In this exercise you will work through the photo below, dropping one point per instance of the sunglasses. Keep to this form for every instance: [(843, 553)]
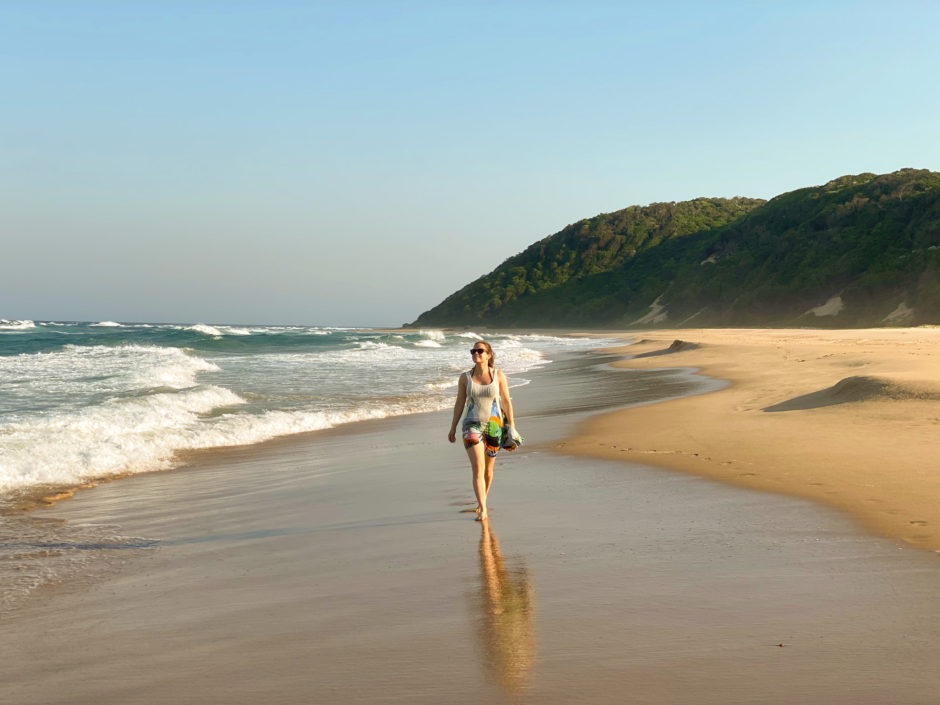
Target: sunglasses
[(477, 351)]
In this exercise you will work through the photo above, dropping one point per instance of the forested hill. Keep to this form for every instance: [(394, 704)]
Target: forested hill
[(578, 253), (860, 250)]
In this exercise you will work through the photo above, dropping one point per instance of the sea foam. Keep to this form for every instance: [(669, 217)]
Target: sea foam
[(121, 435), (207, 330), (6, 324), (435, 335), (72, 412), (146, 433), (74, 375)]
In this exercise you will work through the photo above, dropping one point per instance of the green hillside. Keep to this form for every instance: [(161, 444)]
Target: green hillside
[(860, 250), (579, 252)]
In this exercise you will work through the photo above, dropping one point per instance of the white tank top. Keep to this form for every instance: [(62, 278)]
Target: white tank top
[(483, 399)]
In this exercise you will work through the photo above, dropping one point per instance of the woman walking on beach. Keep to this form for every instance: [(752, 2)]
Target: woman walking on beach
[(484, 393)]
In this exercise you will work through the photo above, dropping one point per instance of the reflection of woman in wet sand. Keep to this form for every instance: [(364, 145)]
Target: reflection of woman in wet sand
[(508, 632), (484, 392)]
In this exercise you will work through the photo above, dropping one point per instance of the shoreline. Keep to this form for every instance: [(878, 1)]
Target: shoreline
[(847, 418), (222, 581), (29, 499), (848, 403), (24, 493)]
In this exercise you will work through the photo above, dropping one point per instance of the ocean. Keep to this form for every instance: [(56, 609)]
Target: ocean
[(86, 400)]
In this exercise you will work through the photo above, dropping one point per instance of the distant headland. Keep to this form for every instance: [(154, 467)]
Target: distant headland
[(861, 250)]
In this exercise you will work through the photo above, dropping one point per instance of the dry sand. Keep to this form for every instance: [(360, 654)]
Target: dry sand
[(850, 418), (338, 568)]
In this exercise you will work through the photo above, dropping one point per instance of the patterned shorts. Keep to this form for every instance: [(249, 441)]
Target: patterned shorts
[(491, 433)]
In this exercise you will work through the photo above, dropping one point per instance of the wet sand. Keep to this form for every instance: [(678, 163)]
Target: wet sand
[(339, 568)]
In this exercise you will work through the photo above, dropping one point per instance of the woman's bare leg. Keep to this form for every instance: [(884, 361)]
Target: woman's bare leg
[(478, 469), (488, 473)]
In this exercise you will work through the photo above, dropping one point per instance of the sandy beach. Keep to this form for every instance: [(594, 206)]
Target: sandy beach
[(342, 566), (847, 418)]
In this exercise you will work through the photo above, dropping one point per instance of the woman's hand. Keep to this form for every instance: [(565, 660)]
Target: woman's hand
[(452, 436)]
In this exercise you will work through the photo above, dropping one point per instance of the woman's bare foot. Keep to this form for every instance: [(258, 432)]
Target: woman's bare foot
[(482, 516)]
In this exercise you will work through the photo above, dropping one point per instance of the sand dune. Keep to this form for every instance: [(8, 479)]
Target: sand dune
[(861, 388), (674, 347)]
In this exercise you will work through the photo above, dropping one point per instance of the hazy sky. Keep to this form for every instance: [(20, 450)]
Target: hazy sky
[(355, 162)]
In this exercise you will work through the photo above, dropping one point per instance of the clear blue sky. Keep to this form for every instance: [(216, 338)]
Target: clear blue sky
[(355, 162)]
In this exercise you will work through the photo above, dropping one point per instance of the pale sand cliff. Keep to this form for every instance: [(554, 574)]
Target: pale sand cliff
[(850, 418)]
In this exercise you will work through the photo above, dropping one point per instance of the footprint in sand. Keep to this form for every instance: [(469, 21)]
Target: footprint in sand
[(918, 522)]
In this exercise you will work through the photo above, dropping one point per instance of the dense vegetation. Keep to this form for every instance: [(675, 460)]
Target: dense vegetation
[(873, 241), (581, 251)]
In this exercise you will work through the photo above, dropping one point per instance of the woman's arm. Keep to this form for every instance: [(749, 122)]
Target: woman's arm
[(458, 407), (504, 398)]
